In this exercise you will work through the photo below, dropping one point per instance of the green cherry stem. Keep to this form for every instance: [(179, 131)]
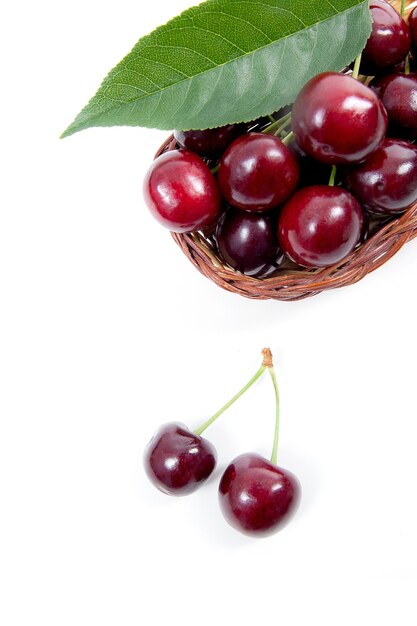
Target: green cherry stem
[(407, 65), (402, 8), (333, 176), (356, 67), (266, 363), (274, 454), (288, 139), (271, 128), (283, 127)]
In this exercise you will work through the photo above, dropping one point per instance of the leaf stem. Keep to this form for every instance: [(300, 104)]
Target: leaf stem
[(258, 374), (333, 176), (274, 454), (356, 67), (288, 139)]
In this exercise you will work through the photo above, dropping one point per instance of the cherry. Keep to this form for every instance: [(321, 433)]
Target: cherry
[(181, 192), (387, 182), (412, 23), (390, 40), (210, 142), (257, 497), (336, 119), (248, 242), (398, 93), (257, 172), (312, 172), (320, 225), (177, 461)]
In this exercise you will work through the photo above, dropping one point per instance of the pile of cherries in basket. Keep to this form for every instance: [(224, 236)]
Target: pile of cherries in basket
[(304, 186)]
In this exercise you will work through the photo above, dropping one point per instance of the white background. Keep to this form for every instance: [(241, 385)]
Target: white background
[(106, 331)]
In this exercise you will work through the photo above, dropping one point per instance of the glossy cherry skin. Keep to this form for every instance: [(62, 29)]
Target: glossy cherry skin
[(320, 225), (398, 93), (256, 497), (387, 182), (181, 192), (337, 120), (248, 242), (210, 142), (178, 461), (412, 23), (390, 40), (257, 172)]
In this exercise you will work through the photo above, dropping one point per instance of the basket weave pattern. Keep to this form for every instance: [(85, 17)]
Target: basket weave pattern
[(299, 284)]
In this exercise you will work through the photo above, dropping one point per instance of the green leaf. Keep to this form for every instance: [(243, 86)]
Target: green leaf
[(227, 61)]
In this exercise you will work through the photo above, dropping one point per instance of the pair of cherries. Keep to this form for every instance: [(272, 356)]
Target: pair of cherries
[(336, 121), (256, 496)]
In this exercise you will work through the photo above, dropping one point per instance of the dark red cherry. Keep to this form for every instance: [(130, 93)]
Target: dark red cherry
[(336, 119), (210, 142), (312, 172), (177, 461), (387, 182), (320, 225), (412, 23), (256, 497), (398, 93), (257, 172), (390, 40), (181, 192), (248, 242)]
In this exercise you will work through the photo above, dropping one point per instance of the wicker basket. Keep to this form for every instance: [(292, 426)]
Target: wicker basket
[(386, 238)]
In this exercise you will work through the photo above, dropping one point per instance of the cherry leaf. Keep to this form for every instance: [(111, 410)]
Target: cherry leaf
[(227, 61)]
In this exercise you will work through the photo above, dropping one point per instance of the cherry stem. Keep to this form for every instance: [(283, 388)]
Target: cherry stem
[(283, 127), (288, 139), (407, 65), (266, 363), (356, 67), (402, 8), (277, 123), (333, 176), (274, 454)]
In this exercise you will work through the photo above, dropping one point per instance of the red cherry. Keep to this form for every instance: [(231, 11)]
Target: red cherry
[(320, 226), (257, 497), (312, 172), (398, 93), (178, 461), (412, 23), (181, 192), (257, 172), (337, 120), (248, 242), (390, 40), (387, 182)]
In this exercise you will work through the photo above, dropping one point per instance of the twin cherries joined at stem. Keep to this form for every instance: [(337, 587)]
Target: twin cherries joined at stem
[(256, 496)]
